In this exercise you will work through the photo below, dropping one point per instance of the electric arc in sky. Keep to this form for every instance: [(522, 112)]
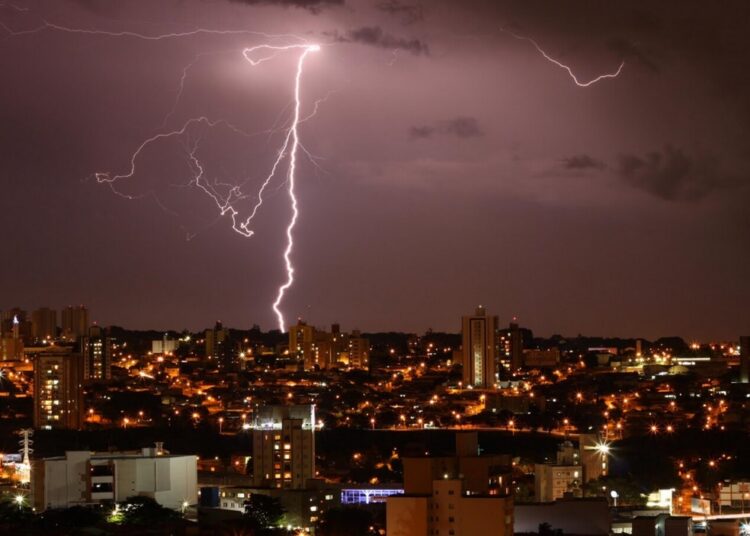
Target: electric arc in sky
[(558, 63), (230, 204)]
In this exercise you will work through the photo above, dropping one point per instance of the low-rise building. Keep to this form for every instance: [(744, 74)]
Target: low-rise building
[(83, 477)]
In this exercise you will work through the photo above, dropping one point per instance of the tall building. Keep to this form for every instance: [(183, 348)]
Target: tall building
[(359, 350), (516, 346), (15, 324), (219, 347), (44, 324), (480, 474), (284, 446), (302, 343), (58, 390), (11, 318), (594, 456), (479, 348), (74, 322), (96, 348), (11, 343), (466, 495), (745, 359)]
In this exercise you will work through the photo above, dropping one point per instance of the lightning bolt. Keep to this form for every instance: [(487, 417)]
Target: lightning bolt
[(570, 72), (227, 204), (50, 26), (292, 134)]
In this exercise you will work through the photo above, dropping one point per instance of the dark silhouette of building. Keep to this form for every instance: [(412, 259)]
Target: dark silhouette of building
[(516, 346), (745, 359)]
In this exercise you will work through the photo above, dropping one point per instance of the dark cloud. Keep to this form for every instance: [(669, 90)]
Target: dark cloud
[(672, 175), (582, 162), (460, 127), (375, 36), (422, 132), (630, 51), (102, 6), (408, 13), (311, 5)]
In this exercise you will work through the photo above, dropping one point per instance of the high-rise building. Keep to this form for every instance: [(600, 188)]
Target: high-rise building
[(745, 359), (11, 318), (11, 343), (516, 346), (15, 324), (284, 446), (466, 495), (302, 343), (594, 456), (219, 347), (96, 348), (359, 350), (58, 390), (479, 348), (74, 322), (44, 324)]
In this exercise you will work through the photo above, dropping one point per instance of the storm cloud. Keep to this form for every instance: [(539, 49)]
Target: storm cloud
[(673, 175), (377, 37), (311, 5), (582, 162), (408, 13), (460, 127)]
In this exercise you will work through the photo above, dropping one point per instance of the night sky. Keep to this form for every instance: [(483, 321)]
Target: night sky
[(452, 164)]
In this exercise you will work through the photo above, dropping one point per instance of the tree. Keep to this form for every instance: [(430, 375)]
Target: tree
[(263, 510), (345, 522), (64, 520), (143, 511), (14, 513)]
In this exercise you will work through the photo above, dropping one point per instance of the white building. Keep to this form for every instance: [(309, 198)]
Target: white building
[(82, 477)]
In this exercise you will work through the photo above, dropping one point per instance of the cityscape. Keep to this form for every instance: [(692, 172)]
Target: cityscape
[(373, 432), (374, 268)]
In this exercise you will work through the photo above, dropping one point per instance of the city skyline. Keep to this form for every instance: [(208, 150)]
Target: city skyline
[(453, 165)]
